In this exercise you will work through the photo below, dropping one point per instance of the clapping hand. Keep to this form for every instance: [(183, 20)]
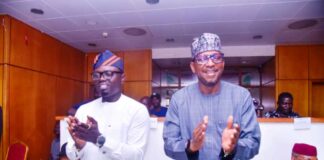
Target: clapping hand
[(199, 133), (230, 136), (82, 132), (87, 131), (72, 124)]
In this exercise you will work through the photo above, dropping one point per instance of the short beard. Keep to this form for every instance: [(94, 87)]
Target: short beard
[(208, 84)]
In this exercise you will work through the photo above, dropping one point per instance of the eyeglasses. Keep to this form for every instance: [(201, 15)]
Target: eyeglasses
[(105, 74), (203, 59)]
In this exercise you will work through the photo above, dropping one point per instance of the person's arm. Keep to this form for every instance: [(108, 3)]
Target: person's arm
[(72, 152), (75, 146), (137, 137), (175, 146), (230, 137), (249, 141)]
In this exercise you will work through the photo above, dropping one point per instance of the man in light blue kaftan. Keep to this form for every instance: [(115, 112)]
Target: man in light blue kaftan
[(211, 119)]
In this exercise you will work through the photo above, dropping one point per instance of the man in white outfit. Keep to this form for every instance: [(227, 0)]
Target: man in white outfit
[(112, 126)]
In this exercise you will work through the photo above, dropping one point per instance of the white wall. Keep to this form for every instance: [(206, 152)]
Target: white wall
[(277, 140)]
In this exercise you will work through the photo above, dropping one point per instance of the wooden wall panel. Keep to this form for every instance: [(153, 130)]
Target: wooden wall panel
[(41, 78), (35, 44), (292, 62), (301, 63), (2, 42), (317, 99), (316, 62), (72, 63), (1, 84), (20, 45), (69, 92), (299, 90), (32, 49), (34, 105), (4, 32), (138, 89), (32, 110), (3, 111), (138, 65), (77, 64), (48, 56), (37, 51)]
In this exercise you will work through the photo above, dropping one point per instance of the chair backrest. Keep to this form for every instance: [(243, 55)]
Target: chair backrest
[(17, 151)]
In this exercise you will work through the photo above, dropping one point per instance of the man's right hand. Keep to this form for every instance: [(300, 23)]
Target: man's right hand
[(198, 138), (230, 135), (73, 122)]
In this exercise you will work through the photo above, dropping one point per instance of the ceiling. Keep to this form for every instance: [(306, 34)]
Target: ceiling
[(80, 22)]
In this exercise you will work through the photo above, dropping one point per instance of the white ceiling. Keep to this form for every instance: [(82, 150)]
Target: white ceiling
[(236, 21)]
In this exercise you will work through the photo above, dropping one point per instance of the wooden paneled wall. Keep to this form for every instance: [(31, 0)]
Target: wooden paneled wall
[(300, 71), (3, 48), (40, 79), (138, 72), (316, 99)]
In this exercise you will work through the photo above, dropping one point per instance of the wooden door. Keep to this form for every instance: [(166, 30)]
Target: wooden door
[(292, 62), (316, 62), (317, 99)]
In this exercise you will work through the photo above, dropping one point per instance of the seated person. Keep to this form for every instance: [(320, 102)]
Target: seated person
[(62, 154), (303, 151), (55, 145), (285, 107), (157, 109), (147, 102)]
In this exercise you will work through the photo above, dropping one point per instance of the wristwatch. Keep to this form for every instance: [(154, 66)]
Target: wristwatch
[(100, 141)]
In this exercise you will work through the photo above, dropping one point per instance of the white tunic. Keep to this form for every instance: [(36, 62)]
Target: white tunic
[(124, 124)]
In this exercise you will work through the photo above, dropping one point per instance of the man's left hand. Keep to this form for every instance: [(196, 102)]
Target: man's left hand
[(230, 136), (88, 131)]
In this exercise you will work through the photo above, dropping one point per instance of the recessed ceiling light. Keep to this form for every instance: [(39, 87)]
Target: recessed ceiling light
[(37, 11), (169, 40), (92, 45), (306, 23), (134, 31), (152, 1), (257, 37), (104, 34), (244, 62), (91, 23)]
